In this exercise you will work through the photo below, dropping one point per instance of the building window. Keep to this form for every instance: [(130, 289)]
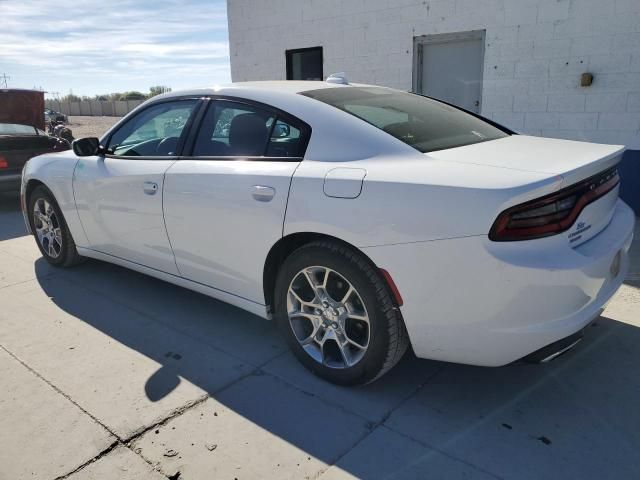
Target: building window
[(304, 64)]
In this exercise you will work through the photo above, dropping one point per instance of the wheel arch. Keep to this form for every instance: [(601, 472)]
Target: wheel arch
[(32, 184), (63, 195), (29, 187), (285, 247)]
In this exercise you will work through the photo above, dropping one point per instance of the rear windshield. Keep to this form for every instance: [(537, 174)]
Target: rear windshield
[(425, 124), (16, 129)]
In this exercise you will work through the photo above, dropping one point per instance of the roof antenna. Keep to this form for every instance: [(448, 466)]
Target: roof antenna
[(340, 78)]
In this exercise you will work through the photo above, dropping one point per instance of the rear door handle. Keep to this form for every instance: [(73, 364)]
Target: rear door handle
[(150, 188), (263, 193)]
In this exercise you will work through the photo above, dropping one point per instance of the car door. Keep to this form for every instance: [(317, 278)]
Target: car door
[(119, 195), (224, 204)]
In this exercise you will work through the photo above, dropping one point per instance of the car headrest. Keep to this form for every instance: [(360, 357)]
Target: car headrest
[(248, 134)]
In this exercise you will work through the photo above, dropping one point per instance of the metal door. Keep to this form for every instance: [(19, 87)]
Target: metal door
[(449, 67)]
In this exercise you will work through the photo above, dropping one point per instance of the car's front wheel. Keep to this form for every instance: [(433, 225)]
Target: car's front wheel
[(50, 229), (337, 314)]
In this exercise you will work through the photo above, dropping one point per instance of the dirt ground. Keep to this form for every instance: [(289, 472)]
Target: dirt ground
[(90, 126)]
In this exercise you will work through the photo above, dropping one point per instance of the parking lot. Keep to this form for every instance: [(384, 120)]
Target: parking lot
[(90, 126), (107, 373)]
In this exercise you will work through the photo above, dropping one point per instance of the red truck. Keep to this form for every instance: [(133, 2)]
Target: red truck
[(22, 134)]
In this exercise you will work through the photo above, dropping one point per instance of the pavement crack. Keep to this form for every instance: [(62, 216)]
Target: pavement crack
[(129, 441), (68, 397), (442, 452), (411, 394), (104, 452), (34, 279), (173, 414), (373, 426), (383, 424)]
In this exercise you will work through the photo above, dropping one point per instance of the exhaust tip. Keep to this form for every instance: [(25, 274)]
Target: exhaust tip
[(554, 350)]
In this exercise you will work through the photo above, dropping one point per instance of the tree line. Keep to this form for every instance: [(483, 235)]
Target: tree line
[(130, 95)]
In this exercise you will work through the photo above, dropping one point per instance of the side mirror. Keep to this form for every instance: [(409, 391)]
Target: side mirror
[(86, 147)]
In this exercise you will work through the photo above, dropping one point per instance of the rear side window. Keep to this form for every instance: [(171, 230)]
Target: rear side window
[(233, 129), (425, 124)]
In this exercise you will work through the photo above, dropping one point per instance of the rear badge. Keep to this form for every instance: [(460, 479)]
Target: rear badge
[(581, 227)]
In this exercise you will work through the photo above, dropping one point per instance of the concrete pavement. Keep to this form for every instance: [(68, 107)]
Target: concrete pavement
[(106, 373)]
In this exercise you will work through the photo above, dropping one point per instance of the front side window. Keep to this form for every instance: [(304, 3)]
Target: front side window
[(425, 124), (154, 131), (231, 129)]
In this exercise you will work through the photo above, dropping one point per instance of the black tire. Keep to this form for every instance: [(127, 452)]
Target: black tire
[(68, 254), (387, 340)]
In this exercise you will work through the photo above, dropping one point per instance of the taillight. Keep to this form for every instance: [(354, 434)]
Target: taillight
[(553, 213), (3, 162)]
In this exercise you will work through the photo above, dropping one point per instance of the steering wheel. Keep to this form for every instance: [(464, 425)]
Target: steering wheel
[(167, 146)]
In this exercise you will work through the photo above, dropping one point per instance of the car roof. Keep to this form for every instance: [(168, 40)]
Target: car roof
[(327, 122), (247, 88)]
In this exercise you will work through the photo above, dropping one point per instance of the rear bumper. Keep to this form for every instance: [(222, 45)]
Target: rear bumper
[(470, 300), (10, 182)]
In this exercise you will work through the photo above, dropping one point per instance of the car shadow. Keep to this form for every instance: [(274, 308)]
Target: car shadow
[(633, 277), (454, 409), (11, 219)]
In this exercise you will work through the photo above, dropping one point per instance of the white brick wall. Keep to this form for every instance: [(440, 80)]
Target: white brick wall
[(535, 52)]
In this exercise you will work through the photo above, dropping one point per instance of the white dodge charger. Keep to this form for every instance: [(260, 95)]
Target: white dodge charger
[(363, 219)]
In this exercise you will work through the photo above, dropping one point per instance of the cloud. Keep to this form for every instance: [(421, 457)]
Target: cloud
[(119, 40)]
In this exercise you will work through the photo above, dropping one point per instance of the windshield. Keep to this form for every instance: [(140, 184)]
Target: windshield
[(16, 129), (425, 124)]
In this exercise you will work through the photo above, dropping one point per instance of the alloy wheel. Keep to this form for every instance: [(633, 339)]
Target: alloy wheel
[(328, 317), (47, 226)]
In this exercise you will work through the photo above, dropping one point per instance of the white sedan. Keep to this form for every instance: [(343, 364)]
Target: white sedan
[(363, 219)]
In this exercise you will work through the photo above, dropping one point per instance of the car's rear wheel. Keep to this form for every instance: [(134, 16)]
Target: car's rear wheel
[(50, 229), (337, 314)]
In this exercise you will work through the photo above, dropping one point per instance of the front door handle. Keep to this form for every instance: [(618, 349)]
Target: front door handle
[(263, 193), (150, 188)]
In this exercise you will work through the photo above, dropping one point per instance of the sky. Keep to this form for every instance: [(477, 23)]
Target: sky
[(103, 46)]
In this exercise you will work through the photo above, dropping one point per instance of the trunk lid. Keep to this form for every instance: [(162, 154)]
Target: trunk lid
[(572, 162)]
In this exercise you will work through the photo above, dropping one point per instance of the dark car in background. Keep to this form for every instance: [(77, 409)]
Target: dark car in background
[(19, 143), (53, 116), (22, 134)]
